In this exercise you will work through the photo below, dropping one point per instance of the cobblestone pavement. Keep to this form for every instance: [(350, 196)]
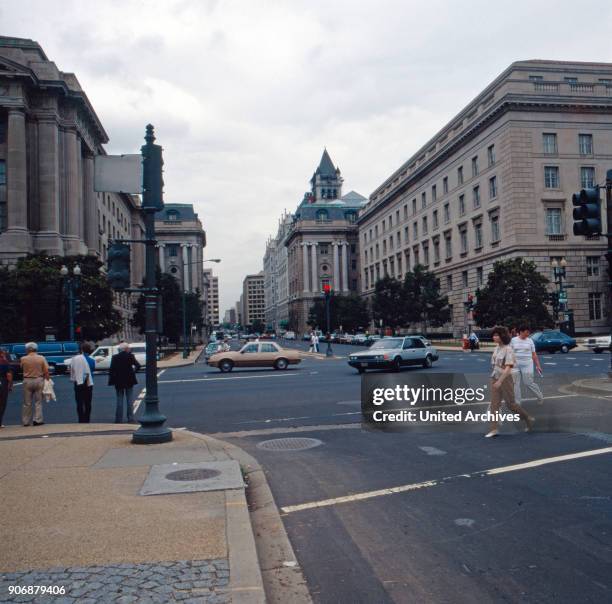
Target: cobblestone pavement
[(186, 581)]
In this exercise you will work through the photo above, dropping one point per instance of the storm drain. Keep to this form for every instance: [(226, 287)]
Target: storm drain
[(192, 474), (289, 444)]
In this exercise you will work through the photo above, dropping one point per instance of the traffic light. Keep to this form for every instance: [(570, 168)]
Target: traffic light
[(152, 180), (553, 298), (77, 305), (587, 212), (327, 289), (118, 266)]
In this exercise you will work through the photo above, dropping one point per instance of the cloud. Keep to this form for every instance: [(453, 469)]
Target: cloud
[(244, 95)]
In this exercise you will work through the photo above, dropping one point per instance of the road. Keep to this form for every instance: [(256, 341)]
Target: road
[(539, 532)]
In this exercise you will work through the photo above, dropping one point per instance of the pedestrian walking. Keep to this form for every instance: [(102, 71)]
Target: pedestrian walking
[(6, 382), (35, 372), (526, 357), (314, 342), (502, 386), (473, 342), (82, 368), (122, 375)]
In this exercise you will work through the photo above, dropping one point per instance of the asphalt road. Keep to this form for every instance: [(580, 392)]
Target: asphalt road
[(539, 532)]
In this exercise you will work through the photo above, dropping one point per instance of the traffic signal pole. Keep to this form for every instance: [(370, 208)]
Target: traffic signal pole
[(609, 256)]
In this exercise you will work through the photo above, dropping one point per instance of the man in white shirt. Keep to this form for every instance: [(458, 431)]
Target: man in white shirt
[(524, 351)]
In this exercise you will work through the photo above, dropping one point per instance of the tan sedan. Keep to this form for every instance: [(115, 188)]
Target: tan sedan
[(255, 354)]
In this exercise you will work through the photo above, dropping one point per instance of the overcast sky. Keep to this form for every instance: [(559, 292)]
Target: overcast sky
[(245, 94)]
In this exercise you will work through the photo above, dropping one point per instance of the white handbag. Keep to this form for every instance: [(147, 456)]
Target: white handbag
[(48, 390)]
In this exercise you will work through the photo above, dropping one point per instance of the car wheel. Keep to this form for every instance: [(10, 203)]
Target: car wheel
[(564, 349), (597, 350), (397, 364), (226, 366), (428, 362), (281, 364)]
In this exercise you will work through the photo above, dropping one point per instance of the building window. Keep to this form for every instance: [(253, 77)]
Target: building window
[(495, 235), (384, 246), (425, 254), (592, 265), (414, 209), (445, 185), (474, 166), (323, 248), (536, 78), (397, 218), (405, 211), (351, 216), (434, 193), (173, 250), (491, 155), (478, 235), (377, 252), (549, 143), (461, 205), (464, 278), (425, 229), (446, 212), (322, 216), (448, 247), (384, 225), (423, 199), (493, 187), (463, 240), (595, 313), (391, 242), (587, 177), (376, 231), (3, 206), (479, 277), (435, 219), (406, 236), (460, 175), (415, 230), (415, 252), (449, 283), (476, 196), (553, 221), (551, 177), (585, 144), (436, 247)]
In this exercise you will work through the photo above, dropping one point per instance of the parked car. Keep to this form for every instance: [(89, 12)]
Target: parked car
[(372, 338), (54, 352), (598, 343), (359, 339), (15, 365), (255, 354), (213, 348), (102, 355), (394, 353), (346, 338), (289, 335), (552, 341)]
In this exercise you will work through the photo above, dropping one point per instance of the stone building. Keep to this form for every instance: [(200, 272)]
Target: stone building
[(253, 299), (496, 183), (49, 137), (211, 298), (322, 243)]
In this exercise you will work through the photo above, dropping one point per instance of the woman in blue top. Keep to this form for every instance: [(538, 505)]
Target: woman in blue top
[(6, 382), (82, 368)]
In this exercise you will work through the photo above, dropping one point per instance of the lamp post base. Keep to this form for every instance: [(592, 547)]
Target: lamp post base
[(151, 435)]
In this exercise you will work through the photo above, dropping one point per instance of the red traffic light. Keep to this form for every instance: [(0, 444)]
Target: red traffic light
[(327, 288)]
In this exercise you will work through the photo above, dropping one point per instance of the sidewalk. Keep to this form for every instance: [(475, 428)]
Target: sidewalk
[(600, 386), (176, 359), (103, 520)]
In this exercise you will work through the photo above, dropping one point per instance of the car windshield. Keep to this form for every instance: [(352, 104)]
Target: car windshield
[(537, 335), (387, 343)]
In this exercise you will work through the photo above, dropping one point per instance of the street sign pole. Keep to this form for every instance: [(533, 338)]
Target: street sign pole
[(152, 429), (609, 256)]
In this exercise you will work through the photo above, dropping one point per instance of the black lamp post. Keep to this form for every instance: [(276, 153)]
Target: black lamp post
[(559, 275), (72, 283), (327, 292)]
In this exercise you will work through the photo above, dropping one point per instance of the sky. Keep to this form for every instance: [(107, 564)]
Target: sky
[(245, 95)]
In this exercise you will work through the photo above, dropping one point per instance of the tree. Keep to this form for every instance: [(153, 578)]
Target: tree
[(257, 326), (388, 302), (515, 293), (422, 300), (349, 311), (33, 299)]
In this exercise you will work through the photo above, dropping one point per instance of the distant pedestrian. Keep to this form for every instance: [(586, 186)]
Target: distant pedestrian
[(314, 342), (82, 368), (502, 386), (35, 372), (473, 339), (122, 375), (526, 357), (6, 382)]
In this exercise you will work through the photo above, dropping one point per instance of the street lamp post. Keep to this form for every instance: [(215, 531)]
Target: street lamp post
[(327, 291), (560, 275), (71, 284)]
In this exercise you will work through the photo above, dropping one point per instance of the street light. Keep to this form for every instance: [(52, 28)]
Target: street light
[(327, 292), (71, 285), (559, 274)]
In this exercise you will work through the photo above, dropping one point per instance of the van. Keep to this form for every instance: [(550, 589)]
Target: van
[(102, 355), (55, 353)]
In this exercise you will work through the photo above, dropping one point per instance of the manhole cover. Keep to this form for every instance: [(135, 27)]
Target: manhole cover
[(194, 474), (289, 444)]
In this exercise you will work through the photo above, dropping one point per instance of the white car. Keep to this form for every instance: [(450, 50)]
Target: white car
[(289, 335), (102, 355), (598, 343)]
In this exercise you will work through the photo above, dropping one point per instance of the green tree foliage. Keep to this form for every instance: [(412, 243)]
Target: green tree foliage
[(422, 302), (257, 326), (349, 311), (515, 293), (388, 303), (33, 298)]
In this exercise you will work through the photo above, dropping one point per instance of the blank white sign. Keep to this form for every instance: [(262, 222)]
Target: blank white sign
[(118, 173)]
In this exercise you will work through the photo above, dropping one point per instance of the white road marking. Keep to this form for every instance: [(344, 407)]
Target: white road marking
[(469, 522), (598, 359), (142, 394), (432, 451), (432, 483), (242, 377), (549, 363)]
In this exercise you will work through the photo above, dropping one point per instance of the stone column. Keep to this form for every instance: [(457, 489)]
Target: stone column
[(162, 251), (16, 239), (71, 170), (185, 267), (90, 206), (336, 266), (345, 267), (313, 259), (305, 266)]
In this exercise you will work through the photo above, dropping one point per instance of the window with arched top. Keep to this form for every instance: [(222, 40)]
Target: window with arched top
[(322, 216), (172, 215), (351, 216)]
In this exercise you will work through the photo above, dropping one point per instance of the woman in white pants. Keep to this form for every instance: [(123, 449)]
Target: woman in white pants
[(526, 357)]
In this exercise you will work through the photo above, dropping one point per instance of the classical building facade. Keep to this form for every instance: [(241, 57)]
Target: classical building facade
[(253, 299), (211, 297), (321, 243), (49, 137), (496, 183), (180, 242)]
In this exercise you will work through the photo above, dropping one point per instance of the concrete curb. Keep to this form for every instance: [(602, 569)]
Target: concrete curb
[(578, 387), (182, 363), (283, 579)]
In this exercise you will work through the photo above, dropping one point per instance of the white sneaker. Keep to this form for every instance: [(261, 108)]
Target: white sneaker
[(491, 434)]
